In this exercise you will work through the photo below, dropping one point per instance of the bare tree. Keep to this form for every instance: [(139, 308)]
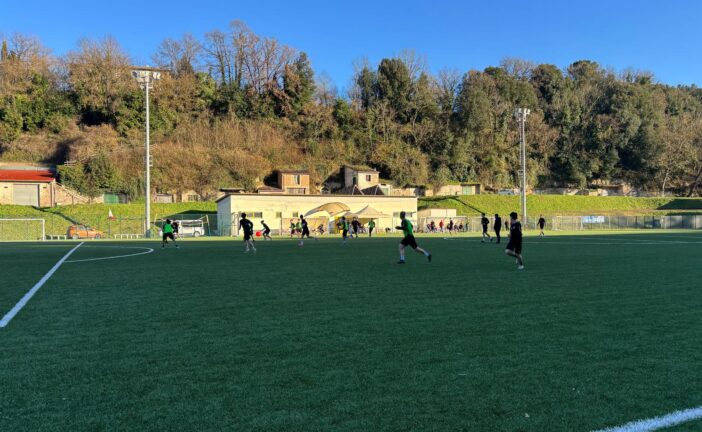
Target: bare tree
[(326, 92), (416, 63), (518, 68)]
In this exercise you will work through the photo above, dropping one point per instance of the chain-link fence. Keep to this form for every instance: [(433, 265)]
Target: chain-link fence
[(583, 223), (129, 227)]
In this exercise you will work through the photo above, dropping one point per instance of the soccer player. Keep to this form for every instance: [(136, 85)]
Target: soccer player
[(542, 224), (176, 229), (298, 228), (344, 225), (371, 227), (305, 230), (497, 226), (356, 225), (514, 246), (168, 234), (292, 228), (266, 231), (409, 240), (450, 227), (248, 227), (485, 222)]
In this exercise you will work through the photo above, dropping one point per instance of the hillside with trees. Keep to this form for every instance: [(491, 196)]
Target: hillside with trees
[(236, 105)]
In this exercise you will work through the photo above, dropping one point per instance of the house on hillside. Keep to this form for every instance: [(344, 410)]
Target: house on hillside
[(290, 182), (35, 185)]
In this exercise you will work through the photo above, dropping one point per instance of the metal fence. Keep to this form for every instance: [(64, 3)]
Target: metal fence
[(584, 223), (128, 226)]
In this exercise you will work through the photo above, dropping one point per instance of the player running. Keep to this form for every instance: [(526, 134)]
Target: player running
[(371, 227), (514, 246), (266, 231), (248, 227), (292, 228), (305, 230), (344, 225), (497, 226), (485, 222), (409, 240), (176, 229), (168, 234), (542, 224)]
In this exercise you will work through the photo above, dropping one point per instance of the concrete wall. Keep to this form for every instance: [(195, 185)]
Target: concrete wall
[(437, 213), (277, 210)]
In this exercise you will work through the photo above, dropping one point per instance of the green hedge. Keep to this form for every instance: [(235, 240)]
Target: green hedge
[(561, 204)]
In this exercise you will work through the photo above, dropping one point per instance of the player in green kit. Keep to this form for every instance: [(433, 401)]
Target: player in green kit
[(371, 227), (168, 234), (409, 240), (344, 225)]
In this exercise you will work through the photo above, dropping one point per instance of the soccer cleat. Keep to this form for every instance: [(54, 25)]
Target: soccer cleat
[(521, 267), (429, 257), (401, 262)]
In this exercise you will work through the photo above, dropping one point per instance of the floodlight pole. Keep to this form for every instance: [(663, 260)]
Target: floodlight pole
[(145, 78), (521, 114)]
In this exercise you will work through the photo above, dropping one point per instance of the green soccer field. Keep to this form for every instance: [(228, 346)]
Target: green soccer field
[(598, 331)]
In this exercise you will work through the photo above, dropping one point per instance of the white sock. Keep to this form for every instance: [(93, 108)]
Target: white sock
[(426, 253)]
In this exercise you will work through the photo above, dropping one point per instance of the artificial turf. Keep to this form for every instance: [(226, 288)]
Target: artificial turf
[(597, 331)]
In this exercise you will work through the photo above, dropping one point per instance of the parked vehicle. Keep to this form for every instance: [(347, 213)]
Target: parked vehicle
[(191, 228), (83, 232)]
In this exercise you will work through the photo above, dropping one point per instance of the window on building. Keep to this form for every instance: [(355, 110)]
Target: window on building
[(296, 191), (296, 214), (368, 177), (278, 215), (296, 179), (355, 180), (193, 198)]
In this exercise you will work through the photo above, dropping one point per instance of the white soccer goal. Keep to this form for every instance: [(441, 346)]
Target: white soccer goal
[(22, 229)]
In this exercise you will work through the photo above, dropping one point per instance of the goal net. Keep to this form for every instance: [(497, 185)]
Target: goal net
[(22, 229)]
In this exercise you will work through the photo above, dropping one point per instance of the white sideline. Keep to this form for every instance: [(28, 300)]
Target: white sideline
[(23, 301), (668, 420)]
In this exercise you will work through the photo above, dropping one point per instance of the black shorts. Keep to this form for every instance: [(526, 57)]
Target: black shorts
[(485, 229), (305, 232), (267, 232), (345, 233), (515, 245), (168, 236), (409, 241), (247, 236)]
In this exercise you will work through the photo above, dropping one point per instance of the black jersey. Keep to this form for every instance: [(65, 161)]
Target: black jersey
[(304, 224), (246, 225), (485, 222), (498, 223), (542, 223), (515, 231), (265, 228)]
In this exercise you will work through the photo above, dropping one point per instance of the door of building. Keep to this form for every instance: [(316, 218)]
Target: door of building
[(25, 194)]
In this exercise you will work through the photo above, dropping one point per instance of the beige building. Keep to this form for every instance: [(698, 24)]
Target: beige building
[(363, 177), (278, 210), (294, 182), (35, 186)]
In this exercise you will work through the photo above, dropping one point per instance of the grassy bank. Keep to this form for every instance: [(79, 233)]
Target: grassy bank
[(471, 205)]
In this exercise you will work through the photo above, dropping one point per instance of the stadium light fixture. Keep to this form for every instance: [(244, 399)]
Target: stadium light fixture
[(521, 114), (146, 77)]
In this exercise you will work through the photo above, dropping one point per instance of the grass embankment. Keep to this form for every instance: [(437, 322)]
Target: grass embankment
[(553, 205), (129, 217)]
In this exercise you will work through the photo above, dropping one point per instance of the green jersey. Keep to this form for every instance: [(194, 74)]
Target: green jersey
[(167, 228), (371, 224), (345, 225), (407, 228), (298, 225)]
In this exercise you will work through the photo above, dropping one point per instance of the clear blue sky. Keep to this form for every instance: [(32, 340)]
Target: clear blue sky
[(664, 37)]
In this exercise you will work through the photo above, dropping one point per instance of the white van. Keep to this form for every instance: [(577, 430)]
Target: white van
[(191, 228)]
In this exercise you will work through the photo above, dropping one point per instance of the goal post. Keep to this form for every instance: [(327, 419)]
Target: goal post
[(19, 229)]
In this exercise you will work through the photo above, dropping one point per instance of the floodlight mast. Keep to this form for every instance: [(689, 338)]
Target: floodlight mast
[(145, 78), (521, 114)]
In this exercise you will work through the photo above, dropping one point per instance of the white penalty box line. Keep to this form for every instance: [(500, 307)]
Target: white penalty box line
[(656, 423), (28, 296)]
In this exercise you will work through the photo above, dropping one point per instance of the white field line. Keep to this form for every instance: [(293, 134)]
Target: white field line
[(23, 301), (652, 424), (596, 242), (145, 251)]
